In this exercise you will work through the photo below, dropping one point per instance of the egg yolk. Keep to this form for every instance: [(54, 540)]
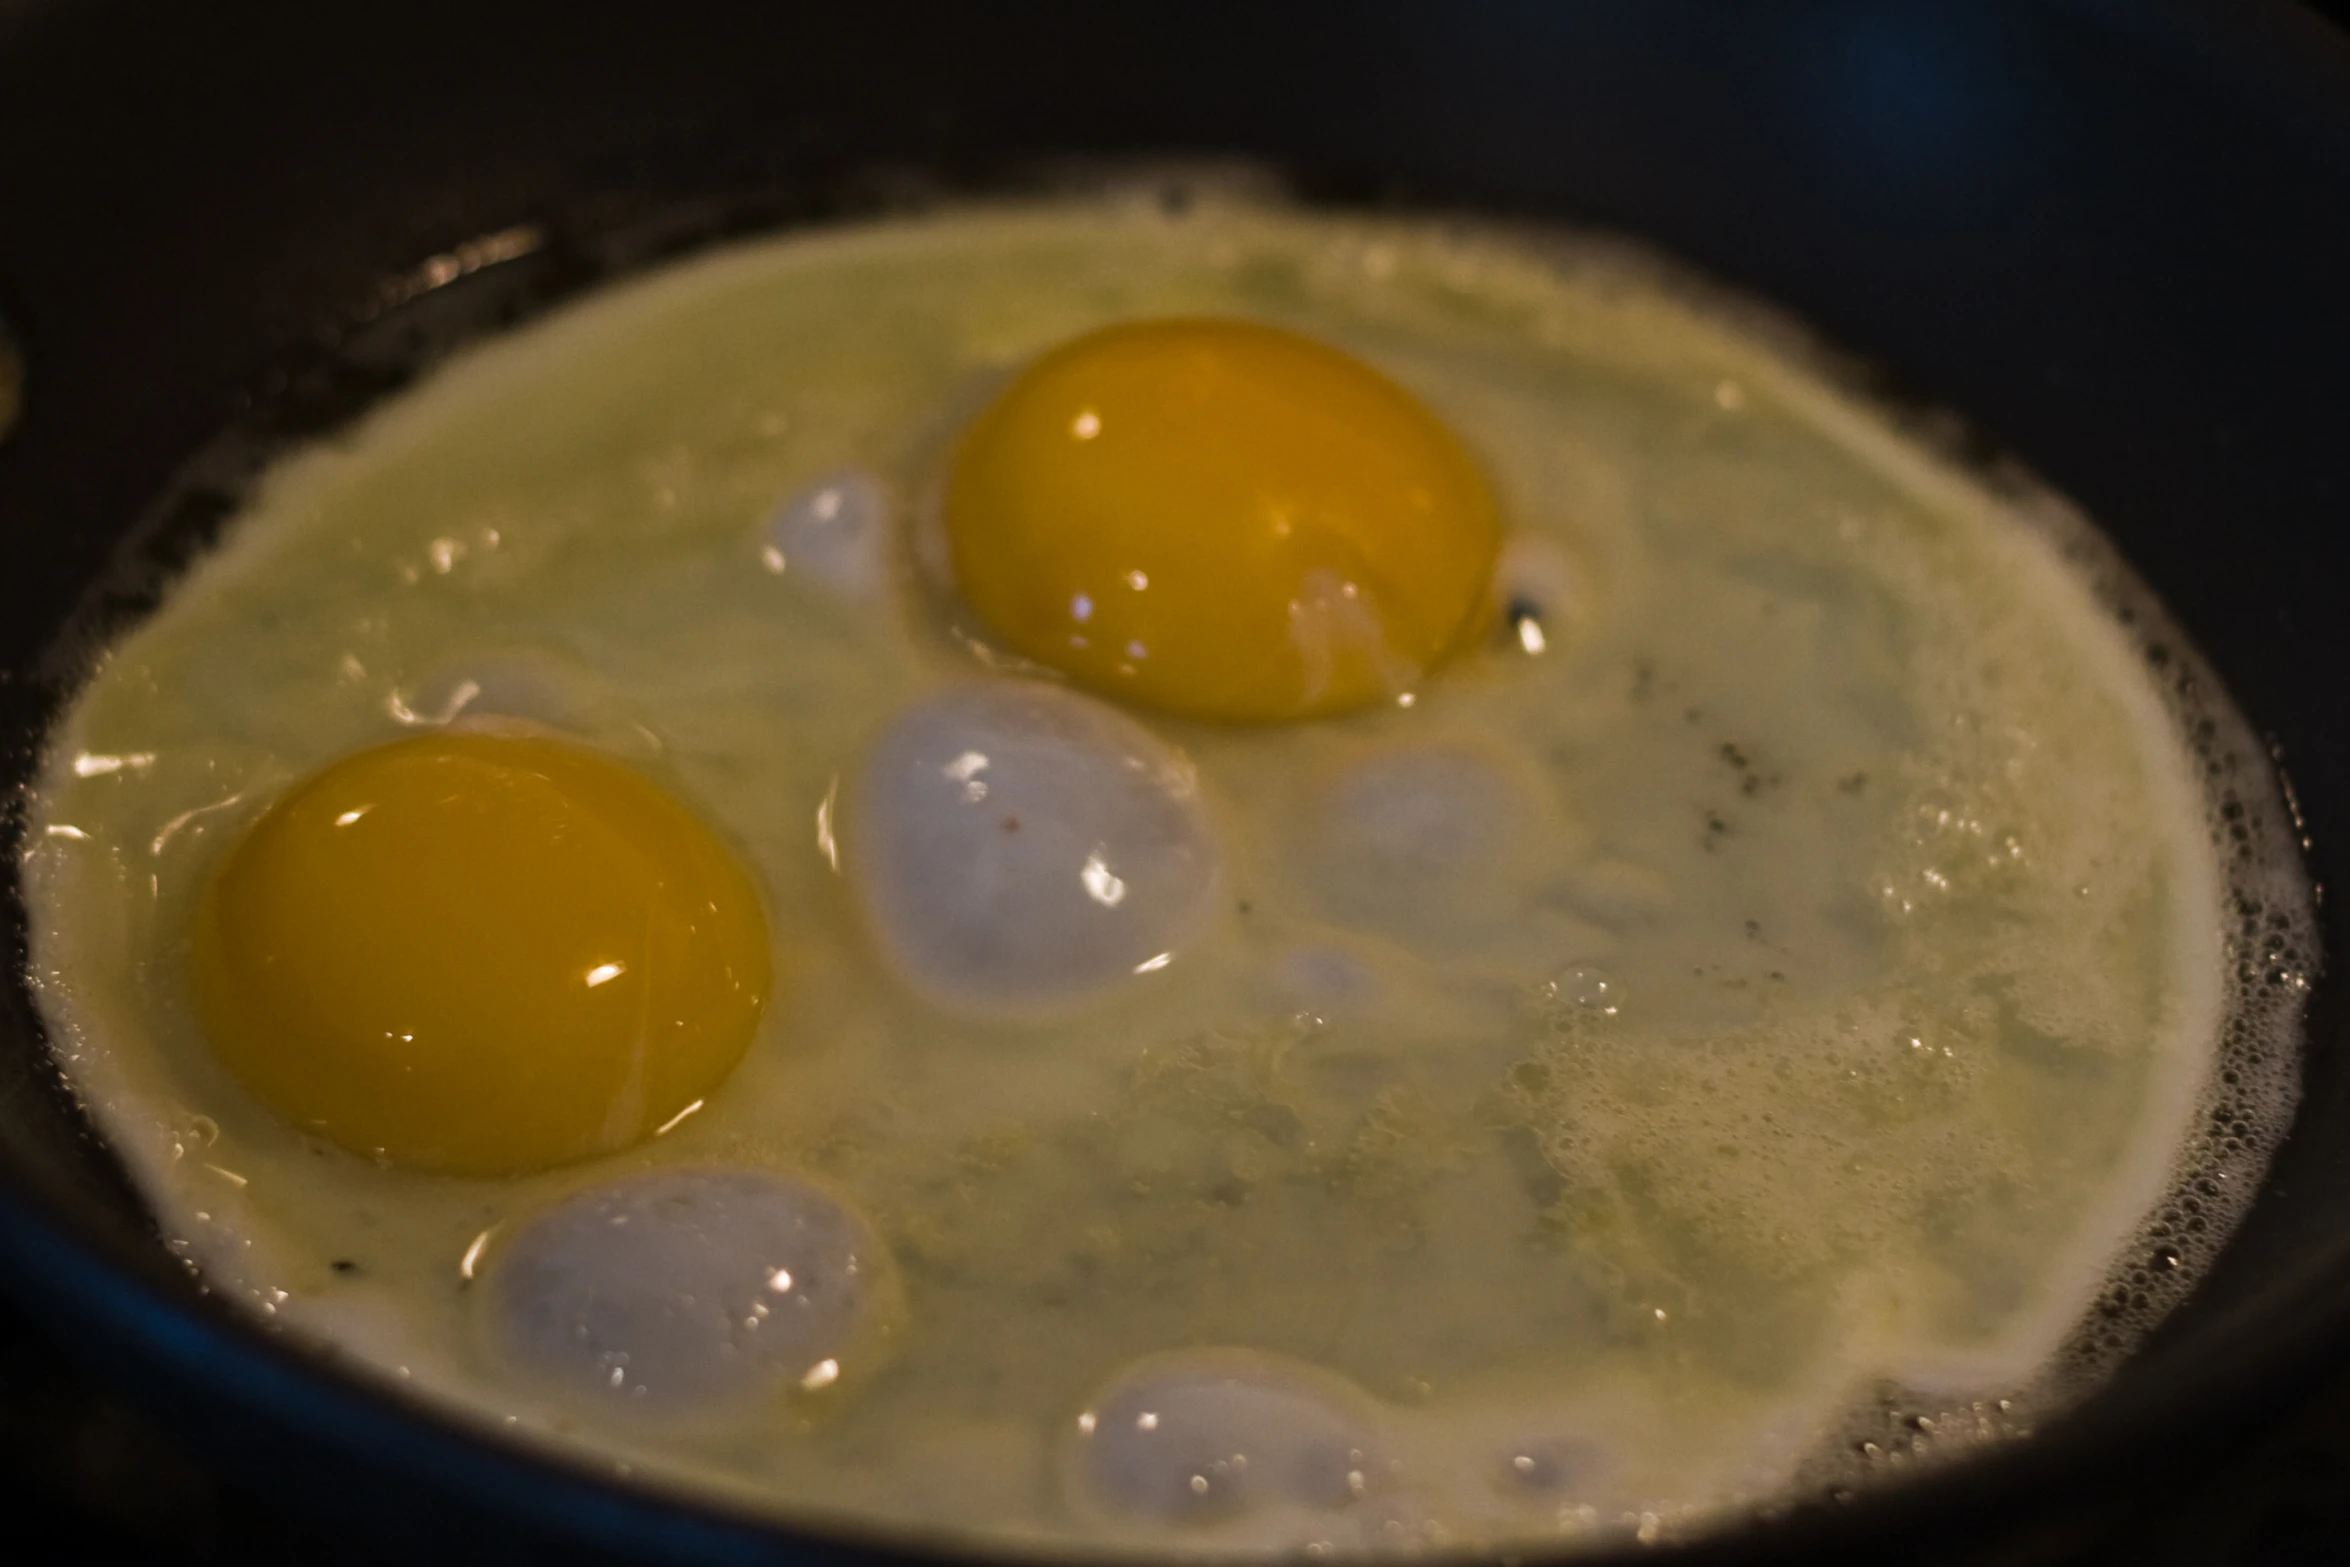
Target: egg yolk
[(480, 954), (1222, 520)]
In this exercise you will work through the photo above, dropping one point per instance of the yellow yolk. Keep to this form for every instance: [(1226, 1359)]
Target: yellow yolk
[(1220, 519), (481, 954)]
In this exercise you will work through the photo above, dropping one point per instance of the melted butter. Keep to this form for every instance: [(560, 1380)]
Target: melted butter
[(1831, 1003)]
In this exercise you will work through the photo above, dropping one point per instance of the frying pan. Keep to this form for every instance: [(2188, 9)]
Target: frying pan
[(2116, 236)]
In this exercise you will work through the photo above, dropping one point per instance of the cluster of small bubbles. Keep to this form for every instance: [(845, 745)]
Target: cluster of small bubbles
[(1902, 1431), (1961, 839), (2268, 930), (2248, 1103), (2245, 1111), (516, 686)]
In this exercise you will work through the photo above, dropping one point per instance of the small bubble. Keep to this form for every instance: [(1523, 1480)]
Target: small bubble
[(1584, 988)]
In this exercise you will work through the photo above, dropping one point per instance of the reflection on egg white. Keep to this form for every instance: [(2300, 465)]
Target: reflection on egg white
[(527, 686)]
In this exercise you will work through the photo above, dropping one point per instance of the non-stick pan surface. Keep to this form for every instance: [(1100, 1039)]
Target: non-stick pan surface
[(2115, 236)]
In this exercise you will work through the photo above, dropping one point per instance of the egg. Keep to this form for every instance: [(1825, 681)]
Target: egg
[(1220, 518), (1086, 878), (478, 953)]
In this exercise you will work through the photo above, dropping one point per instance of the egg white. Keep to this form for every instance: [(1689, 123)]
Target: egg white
[(1787, 970)]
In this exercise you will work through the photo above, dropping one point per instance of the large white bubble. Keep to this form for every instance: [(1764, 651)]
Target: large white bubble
[(686, 1287), (1015, 846)]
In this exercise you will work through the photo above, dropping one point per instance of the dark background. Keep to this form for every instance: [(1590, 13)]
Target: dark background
[(85, 1473)]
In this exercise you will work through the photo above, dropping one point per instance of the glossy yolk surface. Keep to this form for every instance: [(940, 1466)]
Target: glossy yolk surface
[(1220, 519), (479, 953)]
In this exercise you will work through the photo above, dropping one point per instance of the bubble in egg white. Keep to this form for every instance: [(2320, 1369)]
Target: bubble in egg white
[(1414, 841), (1017, 846), (1582, 987), (834, 532), (684, 1288), (1202, 1436), (1330, 979)]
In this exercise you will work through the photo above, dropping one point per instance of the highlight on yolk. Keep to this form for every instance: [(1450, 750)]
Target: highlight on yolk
[(479, 953), (1220, 519)]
